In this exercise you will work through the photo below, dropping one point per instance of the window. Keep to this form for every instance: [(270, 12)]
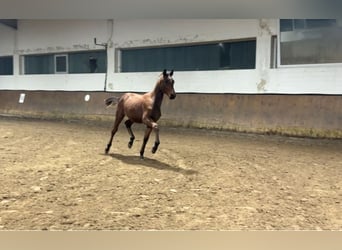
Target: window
[(310, 41), (6, 65), (39, 64), (298, 24), (88, 62), (73, 62), (61, 64), (214, 56)]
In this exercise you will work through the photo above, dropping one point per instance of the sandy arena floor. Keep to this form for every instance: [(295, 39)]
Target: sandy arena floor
[(55, 176)]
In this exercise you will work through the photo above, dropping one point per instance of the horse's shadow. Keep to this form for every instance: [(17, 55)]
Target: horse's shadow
[(152, 163)]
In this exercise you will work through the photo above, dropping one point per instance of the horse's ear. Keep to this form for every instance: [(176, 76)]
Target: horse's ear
[(171, 73), (164, 73)]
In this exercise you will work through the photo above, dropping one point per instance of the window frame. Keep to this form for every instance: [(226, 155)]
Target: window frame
[(274, 57), (66, 64)]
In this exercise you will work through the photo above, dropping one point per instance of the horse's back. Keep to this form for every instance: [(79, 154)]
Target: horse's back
[(133, 106)]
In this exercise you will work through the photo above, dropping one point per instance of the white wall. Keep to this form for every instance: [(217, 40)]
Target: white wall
[(49, 36), (305, 80), (136, 33), (74, 82), (7, 40)]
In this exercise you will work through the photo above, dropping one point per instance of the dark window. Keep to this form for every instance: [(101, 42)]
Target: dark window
[(6, 65), (88, 62), (238, 55), (298, 24), (286, 25), (319, 23), (39, 64), (61, 65), (216, 56), (73, 62)]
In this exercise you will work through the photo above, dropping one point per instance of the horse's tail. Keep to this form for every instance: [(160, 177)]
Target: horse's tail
[(111, 101)]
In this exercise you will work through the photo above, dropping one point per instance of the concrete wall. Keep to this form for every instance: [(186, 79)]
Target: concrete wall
[(296, 115), (54, 104)]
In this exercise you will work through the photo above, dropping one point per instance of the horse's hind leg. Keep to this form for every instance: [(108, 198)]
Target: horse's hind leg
[(118, 119), (128, 124)]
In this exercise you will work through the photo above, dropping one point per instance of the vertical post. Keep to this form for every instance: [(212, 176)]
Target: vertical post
[(110, 56), (18, 66), (263, 54)]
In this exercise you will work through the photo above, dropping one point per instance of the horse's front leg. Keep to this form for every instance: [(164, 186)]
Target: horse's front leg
[(156, 142), (146, 137), (151, 125)]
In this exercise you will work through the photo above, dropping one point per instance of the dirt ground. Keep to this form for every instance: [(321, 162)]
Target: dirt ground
[(55, 176)]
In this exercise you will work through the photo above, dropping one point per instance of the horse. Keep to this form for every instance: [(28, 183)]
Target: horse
[(142, 108)]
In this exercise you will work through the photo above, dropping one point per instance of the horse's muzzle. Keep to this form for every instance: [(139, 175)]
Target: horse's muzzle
[(172, 96)]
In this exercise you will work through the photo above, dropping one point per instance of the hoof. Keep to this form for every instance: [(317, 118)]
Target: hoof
[(107, 148), (130, 144), (155, 147)]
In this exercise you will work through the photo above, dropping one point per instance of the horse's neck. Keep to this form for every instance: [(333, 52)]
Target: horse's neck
[(157, 96)]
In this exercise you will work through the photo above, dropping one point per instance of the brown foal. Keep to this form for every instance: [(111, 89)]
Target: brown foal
[(142, 109)]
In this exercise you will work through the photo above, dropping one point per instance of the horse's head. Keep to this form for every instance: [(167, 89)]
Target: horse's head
[(166, 84)]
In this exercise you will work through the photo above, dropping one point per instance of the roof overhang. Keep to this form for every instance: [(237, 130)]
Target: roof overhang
[(13, 23)]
